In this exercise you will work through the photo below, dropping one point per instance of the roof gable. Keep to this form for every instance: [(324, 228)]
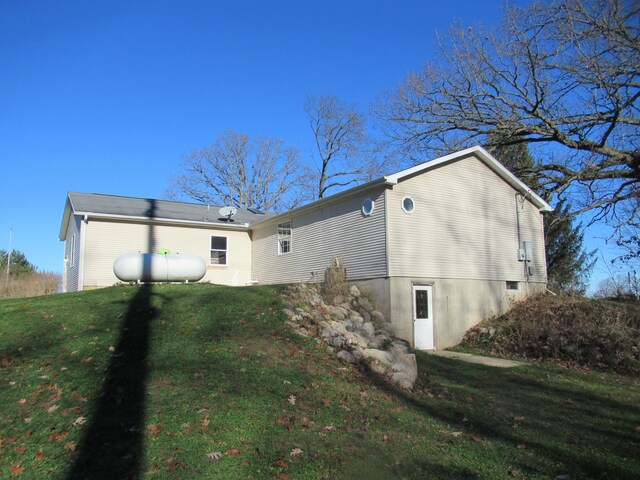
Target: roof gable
[(485, 157)]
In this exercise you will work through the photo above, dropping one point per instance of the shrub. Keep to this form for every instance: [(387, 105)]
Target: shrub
[(335, 281), (29, 285), (575, 331)]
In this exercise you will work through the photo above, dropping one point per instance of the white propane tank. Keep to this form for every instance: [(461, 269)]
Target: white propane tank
[(153, 267)]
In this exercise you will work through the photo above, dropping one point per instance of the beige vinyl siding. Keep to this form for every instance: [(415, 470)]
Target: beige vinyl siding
[(106, 240), (532, 229), (335, 229), (463, 226), (72, 254)]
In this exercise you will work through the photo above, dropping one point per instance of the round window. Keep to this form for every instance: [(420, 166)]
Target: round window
[(367, 207), (407, 204)]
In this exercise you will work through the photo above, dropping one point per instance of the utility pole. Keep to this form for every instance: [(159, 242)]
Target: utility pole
[(9, 255)]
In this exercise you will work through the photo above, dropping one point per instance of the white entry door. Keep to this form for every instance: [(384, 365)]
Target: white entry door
[(423, 317)]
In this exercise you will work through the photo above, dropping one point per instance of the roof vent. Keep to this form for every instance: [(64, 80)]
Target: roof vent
[(256, 211)]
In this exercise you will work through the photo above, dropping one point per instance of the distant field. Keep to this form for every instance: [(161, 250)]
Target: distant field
[(202, 381)]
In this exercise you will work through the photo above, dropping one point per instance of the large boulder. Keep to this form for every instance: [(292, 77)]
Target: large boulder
[(377, 318), (406, 363), (380, 356)]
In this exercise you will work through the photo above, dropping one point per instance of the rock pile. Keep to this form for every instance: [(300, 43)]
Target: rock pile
[(353, 329)]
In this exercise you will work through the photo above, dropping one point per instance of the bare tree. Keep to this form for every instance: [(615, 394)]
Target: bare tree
[(344, 156), (619, 286), (234, 170), (562, 75)]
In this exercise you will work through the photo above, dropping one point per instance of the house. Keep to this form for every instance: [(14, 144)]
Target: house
[(439, 246)]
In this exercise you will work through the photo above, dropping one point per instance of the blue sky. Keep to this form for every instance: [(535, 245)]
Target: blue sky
[(107, 96)]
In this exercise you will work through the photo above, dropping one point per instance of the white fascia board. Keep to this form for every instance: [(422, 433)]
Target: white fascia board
[(485, 156), (168, 221), (66, 216)]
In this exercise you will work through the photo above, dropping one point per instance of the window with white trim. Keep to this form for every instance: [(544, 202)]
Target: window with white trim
[(72, 263), (218, 250), (284, 237), (367, 207), (407, 204)]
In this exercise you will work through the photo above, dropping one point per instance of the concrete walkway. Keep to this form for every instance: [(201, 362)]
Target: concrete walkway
[(468, 357)]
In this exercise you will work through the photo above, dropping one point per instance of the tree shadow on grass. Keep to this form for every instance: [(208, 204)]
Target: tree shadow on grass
[(113, 443), (586, 434)]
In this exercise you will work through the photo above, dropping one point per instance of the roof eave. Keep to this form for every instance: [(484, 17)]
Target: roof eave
[(66, 216), (107, 216), (382, 181), (489, 160)]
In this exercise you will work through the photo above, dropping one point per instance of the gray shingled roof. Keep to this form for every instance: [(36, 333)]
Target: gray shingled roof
[(93, 203)]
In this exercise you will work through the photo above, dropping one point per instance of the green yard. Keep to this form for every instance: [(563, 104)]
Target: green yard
[(202, 381)]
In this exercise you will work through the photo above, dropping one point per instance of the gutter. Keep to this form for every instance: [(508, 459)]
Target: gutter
[(106, 216)]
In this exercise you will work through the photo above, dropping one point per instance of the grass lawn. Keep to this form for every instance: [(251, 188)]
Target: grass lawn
[(202, 381)]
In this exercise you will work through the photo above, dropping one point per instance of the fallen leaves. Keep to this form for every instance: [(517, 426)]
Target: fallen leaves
[(70, 446), (286, 422), (172, 463), (295, 452), (154, 429), (204, 425), (233, 452), (54, 437), (214, 455), (17, 469), (292, 399), (517, 420), (7, 440), (79, 421), (78, 398)]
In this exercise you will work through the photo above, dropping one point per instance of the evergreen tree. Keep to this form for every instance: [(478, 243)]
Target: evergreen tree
[(568, 265), (19, 262)]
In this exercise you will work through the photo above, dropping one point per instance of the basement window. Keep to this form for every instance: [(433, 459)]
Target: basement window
[(218, 250), (512, 285), (284, 237)]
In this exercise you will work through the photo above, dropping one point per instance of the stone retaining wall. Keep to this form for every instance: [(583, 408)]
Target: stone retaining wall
[(354, 330)]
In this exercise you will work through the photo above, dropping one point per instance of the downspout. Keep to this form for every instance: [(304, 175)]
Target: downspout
[(518, 195), (386, 233)]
